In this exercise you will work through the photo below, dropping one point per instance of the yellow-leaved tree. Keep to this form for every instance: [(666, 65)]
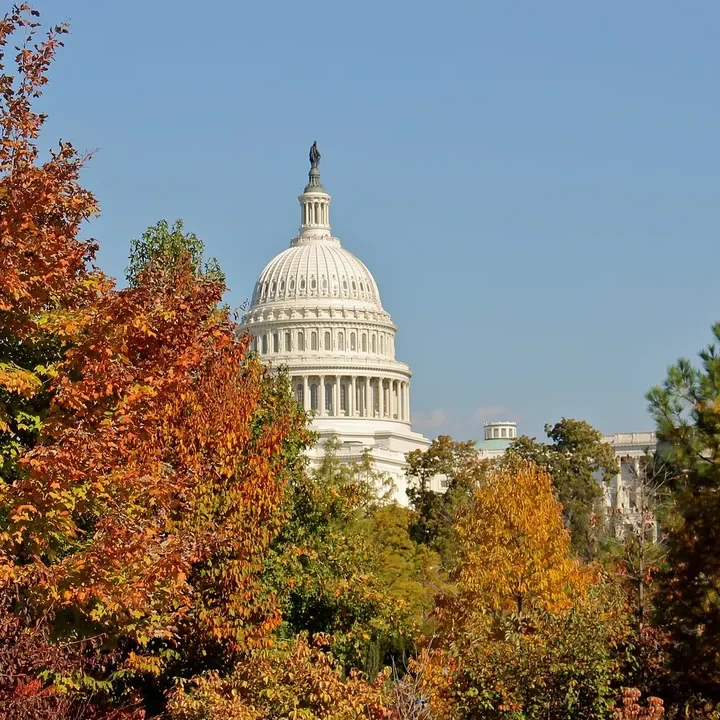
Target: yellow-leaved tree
[(527, 632), (515, 549)]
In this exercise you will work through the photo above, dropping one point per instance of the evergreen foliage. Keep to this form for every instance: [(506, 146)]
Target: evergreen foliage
[(687, 410)]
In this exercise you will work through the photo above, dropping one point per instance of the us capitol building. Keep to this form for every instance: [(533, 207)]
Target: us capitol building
[(316, 310)]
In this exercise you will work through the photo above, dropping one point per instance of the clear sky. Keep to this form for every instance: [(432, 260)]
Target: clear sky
[(534, 185)]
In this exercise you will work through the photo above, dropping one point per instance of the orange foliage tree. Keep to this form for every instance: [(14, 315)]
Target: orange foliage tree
[(44, 267), (144, 454), (293, 680), (528, 632)]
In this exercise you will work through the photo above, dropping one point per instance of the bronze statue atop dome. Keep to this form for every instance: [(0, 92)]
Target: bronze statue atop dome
[(314, 155)]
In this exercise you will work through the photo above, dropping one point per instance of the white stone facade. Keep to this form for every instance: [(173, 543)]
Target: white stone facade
[(316, 310), (626, 496)]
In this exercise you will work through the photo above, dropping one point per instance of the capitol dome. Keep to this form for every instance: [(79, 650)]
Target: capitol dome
[(316, 312), (316, 269)]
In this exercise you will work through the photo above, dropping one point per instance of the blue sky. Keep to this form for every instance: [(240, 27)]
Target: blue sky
[(533, 185)]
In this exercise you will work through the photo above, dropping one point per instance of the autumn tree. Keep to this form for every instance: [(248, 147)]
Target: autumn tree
[(528, 632), (45, 269), (579, 463), (141, 491), (687, 411), (293, 679)]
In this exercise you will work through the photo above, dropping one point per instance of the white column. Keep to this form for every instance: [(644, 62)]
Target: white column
[(381, 397), (393, 399), (407, 401), (353, 397), (364, 397), (306, 394)]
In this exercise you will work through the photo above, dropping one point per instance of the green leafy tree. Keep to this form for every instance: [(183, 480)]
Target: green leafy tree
[(326, 565), (578, 460), (687, 411), (170, 247), (411, 572), (459, 467)]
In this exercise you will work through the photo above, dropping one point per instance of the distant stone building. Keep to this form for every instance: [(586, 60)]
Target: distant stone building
[(626, 496)]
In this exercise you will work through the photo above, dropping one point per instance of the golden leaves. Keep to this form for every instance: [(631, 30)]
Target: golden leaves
[(516, 548)]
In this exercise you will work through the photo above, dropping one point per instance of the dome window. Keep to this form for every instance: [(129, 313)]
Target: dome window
[(313, 397), (313, 341), (374, 344), (328, 398), (292, 284), (352, 342), (328, 341), (300, 393), (343, 398), (344, 284), (276, 343), (364, 342), (341, 341), (288, 344), (301, 341), (313, 284), (362, 288), (273, 287), (264, 345), (354, 286), (282, 286), (324, 284), (302, 284)]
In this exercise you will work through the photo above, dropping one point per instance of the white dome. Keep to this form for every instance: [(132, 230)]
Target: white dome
[(317, 269), (316, 315)]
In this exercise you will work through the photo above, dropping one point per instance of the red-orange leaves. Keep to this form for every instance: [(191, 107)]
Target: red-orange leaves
[(42, 263), (153, 490)]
